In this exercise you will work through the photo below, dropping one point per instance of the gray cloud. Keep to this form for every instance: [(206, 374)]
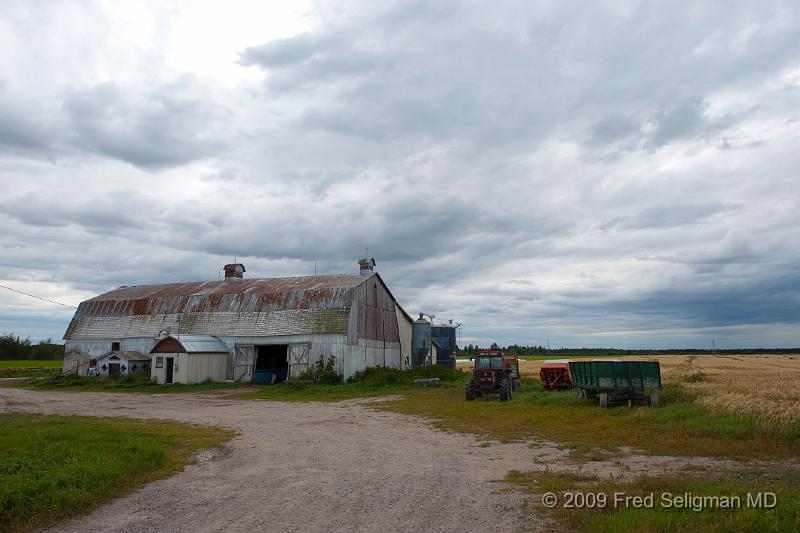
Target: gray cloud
[(585, 173), (165, 126)]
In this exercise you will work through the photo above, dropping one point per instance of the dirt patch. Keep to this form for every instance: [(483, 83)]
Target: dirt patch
[(325, 467)]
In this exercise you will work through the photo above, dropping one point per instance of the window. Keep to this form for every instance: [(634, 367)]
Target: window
[(159, 362), (114, 346), (482, 363)]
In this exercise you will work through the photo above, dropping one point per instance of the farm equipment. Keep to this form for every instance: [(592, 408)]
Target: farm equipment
[(492, 373), (617, 382), (512, 364), (555, 374)]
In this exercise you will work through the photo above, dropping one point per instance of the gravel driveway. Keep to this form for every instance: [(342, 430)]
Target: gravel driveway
[(316, 467)]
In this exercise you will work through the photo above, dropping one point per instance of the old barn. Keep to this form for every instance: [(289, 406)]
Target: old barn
[(275, 325)]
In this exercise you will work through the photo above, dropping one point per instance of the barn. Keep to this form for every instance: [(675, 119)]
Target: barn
[(278, 325)]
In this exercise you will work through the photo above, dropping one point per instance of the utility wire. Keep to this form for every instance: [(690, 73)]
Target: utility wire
[(38, 297)]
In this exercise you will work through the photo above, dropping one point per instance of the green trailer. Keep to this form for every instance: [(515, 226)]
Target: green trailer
[(617, 382)]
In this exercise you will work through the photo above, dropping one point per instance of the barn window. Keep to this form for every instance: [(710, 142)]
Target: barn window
[(114, 346), (159, 362)]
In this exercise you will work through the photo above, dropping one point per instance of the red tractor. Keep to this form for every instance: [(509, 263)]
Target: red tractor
[(490, 374), (512, 363)]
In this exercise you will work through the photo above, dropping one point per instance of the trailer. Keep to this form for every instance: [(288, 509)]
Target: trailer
[(617, 382), (555, 374)]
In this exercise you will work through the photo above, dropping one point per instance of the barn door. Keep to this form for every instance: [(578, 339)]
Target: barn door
[(244, 356), (298, 359)]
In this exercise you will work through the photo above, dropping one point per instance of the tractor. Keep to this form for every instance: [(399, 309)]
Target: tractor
[(512, 363), (490, 374)]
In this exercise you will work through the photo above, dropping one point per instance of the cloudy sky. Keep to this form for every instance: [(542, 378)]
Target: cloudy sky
[(588, 173)]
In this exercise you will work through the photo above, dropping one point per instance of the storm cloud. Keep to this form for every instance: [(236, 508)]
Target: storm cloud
[(608, 173)]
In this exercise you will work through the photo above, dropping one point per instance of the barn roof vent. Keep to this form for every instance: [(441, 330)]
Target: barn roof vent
[(366, 266), (234, 271)]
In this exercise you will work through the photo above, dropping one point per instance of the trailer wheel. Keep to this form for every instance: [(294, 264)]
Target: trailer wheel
[(654, 398), (603, 399), (469, 389), (505, 391)]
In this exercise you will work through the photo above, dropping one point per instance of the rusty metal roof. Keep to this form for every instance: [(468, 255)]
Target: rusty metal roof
[(248, 307)]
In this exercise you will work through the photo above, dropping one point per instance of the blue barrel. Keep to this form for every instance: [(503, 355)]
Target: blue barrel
[(263, 377)]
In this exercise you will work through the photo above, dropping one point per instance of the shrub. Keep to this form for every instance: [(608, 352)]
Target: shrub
[(323, 371), (136, 379), (382, 376)]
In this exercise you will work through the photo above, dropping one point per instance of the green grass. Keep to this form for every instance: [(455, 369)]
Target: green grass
[(371, 383), (134, 383), (626, 518), (678, 427), (31, 363), (54, 467), (29, 368)]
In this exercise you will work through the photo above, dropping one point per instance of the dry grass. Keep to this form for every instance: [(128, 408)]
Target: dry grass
[(763, 386)]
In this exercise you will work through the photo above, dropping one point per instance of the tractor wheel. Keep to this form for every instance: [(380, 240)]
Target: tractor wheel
[(469, 388), (603, 399), (505, 391)]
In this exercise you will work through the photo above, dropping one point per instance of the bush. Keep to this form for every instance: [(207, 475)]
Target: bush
[(323, 371), (136, 379), (383, 376)]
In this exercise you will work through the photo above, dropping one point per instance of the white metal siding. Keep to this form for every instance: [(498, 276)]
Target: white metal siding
[(404, 328)]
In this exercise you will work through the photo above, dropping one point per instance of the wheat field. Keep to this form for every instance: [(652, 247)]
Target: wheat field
[(764, 386)]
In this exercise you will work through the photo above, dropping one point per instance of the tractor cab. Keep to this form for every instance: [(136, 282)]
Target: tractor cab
[(490, 374)]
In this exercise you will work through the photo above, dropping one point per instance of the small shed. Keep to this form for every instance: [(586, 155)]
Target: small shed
[(189, 359), (118, 363)]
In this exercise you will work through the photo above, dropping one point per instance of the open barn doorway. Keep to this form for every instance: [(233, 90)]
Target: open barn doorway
[(272, 363)]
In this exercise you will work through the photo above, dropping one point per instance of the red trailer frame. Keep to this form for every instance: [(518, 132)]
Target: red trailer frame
[(555, 374)]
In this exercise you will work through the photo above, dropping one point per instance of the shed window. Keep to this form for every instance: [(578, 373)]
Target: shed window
[(159, 362), (114, 346)]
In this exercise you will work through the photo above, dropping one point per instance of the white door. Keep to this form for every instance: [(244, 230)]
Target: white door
[(298, 359), (244, 357)]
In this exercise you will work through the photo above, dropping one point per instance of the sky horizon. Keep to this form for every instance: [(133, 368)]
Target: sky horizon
[(612, 174)]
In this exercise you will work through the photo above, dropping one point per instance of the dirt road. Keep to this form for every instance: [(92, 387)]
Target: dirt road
[(318, 467)]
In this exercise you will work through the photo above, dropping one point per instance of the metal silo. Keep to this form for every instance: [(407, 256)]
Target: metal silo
[(445, 337), (420, 342)]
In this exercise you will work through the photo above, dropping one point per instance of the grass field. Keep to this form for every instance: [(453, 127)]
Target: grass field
[(54, 467), (32, 363), (679, 427), (134, 383), (759, 386), (375, 382), (29, 368)]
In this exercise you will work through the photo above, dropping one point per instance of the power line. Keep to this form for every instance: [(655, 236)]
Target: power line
[(38, 297)]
